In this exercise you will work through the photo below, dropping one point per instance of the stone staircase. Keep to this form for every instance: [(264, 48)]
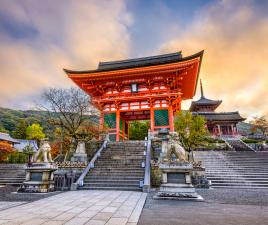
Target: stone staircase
[(118, 168), (235, 169), (12, 174), (238, 145)]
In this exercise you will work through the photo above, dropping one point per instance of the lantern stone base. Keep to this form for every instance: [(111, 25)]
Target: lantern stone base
[(176, 182), (39, 178)]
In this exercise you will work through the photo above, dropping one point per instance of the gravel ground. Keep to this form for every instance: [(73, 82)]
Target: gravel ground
[(221, 207), (7, 194), (258, 197)]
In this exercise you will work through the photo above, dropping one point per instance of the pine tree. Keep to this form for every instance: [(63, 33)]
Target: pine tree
[(20, 130)]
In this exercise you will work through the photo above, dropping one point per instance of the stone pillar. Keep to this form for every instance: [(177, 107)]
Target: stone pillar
[(117, 125)]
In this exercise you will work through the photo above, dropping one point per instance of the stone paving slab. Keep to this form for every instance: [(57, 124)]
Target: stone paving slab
[(91, 207), (6, 205)]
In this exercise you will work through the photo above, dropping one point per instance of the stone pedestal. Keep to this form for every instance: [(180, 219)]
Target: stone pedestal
[(39, 178), (176, 182), (80, 153)]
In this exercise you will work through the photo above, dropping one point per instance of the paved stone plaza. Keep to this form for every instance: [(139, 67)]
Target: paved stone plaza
[(79, 207), (221, 207)]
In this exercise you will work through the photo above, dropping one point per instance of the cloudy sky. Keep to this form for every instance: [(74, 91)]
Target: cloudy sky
[(39, 38)]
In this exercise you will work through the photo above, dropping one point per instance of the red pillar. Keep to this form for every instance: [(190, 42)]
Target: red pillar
[(117, 125), (171, 119), (101, 120), (152, 119)]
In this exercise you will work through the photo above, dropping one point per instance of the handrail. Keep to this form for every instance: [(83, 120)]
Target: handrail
[(80, 180), (147, 174)]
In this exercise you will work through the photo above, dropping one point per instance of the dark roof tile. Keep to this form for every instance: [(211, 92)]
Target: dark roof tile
[(220, 116), (139, 62)]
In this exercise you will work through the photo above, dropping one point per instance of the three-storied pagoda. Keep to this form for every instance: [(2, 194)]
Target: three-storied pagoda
[(218, 123), (149, 88)]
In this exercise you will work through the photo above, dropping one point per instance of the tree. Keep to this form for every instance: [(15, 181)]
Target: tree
[(138, 130), (69, 109), (3, 130), (261, 123), (5, 149), (35, 132), (20, 130), (191, 129)]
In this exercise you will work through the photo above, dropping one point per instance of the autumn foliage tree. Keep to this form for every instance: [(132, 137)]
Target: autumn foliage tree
[(260, 123), (35, 132), (5, 149), (70, 109)]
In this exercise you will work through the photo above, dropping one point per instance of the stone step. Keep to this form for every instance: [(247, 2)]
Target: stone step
[(112, 188), (126, 148), (236, 171), (234, 175), (121, 154), (116, 175), (230, 181), (125, 168), (115, 181), (14, 183), (239, 184), (113, 184), (122, 157), (235, 166), (239, 187), (109, 168), (235, 160), (110, 178), (120, 162), (4, 182)]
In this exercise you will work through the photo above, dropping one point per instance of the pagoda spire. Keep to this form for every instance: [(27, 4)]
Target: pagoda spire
[(201, 88)]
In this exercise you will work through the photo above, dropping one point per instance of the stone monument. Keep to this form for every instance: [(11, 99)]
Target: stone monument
[(40, 172), (176, 172), (80, 153)]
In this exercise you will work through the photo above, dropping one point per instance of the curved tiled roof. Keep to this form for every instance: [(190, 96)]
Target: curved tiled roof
[(138, 62), (6, 137), (206, 101), (220, 116)]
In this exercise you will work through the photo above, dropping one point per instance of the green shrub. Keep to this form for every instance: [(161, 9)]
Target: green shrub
[(156, 176), (249, 140), (213, 140), (17, 157)]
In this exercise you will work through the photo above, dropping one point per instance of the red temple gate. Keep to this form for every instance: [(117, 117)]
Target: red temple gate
[(149, 88)]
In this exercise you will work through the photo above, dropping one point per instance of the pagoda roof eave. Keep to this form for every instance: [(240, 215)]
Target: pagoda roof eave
[(204, 102), (221, 116)]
